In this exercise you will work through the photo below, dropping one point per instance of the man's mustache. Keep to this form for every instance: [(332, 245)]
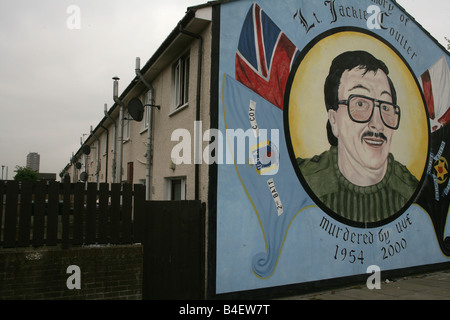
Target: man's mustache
[(374, 134)]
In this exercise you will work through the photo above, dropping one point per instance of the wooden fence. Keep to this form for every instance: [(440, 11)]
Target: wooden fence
[(174, 250), (66, 214)]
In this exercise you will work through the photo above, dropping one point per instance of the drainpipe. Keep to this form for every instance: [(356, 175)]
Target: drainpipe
[(107, 151), (149, 129), (114, 144), (86, 168), (197, 152), (74, 162), (120, 138), (98, 154)]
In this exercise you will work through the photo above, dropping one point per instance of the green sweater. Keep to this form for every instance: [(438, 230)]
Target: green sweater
[(360, 204)]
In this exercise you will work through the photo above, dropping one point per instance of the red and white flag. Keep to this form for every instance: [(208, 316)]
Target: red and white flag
[(435, 84)]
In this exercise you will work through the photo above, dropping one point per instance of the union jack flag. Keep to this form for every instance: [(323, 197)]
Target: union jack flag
[(264, 57)]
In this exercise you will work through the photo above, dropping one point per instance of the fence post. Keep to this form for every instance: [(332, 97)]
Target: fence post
[(38, 214), (103, 203), (2, 192), (139, 213), (115, 213), (52, 214), (91, 220), (126, 213), (25, 213), (12, 195), (78, 213), (65, 237)]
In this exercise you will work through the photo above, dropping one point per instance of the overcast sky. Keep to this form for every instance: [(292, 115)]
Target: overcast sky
[(54, 81)]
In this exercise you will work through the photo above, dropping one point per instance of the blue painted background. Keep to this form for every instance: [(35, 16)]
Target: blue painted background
[(256, 248)]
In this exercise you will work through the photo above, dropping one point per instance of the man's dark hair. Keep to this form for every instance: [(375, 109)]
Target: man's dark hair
[(348, 61)]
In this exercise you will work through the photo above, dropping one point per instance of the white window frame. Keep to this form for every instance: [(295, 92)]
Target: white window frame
[(180, 83)]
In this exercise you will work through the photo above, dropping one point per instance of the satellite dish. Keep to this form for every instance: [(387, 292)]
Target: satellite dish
[(86, 149), (83, 176), (136, 109), (78, 165)]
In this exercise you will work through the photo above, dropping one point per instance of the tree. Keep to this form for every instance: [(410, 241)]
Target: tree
[(25, 174), (448, 44)]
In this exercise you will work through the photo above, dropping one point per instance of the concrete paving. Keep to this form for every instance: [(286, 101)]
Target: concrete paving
[(427, 286)]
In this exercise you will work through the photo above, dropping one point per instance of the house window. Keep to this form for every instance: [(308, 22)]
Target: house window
[(175, 188), (180, 83)]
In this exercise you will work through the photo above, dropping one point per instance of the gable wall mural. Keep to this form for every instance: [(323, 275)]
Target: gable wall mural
[(335, 146)]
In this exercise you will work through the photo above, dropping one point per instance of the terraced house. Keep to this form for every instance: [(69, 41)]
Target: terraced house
[(170, 91)]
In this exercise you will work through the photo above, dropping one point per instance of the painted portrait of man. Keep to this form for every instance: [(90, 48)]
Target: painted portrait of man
[(358, 177)]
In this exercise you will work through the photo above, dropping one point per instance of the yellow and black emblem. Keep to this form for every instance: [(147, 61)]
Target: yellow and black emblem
[(441, 170)]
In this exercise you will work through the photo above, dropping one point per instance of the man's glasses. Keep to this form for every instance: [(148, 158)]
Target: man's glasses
[(360, 109)]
